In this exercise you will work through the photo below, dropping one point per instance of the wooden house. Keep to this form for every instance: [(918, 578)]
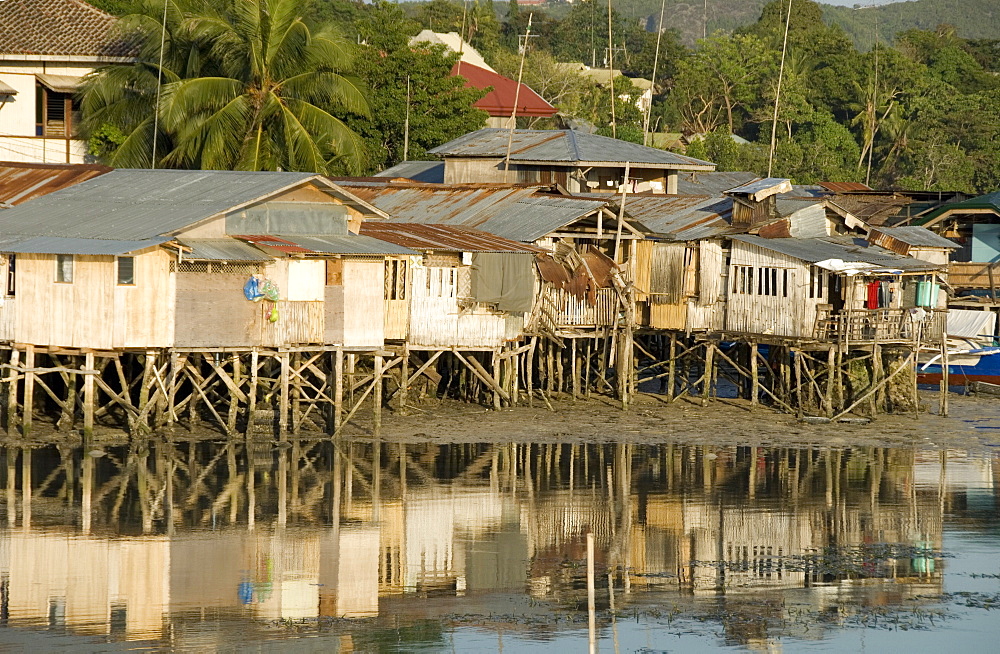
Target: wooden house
[(974, 224), (159, 259), (468, 289), (576, 161), (46, 48)]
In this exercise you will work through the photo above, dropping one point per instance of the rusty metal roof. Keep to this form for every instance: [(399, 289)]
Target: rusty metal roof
[(680, 217), (513, 212), (849, 249), (447, 238), (914, 236), (845, 187), (20, 182)]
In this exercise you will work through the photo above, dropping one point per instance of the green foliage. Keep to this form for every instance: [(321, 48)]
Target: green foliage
[(104, 141), (246, 85), (973, 19), (440, 107)]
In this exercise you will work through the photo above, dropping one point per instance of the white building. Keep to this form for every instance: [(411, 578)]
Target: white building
[(46, 47)]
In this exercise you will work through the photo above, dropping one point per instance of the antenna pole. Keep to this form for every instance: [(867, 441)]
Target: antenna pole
[(406, 123), (871, 135), (159, 83), (777, 93), (517, 97), (611, 74), (656, 60)]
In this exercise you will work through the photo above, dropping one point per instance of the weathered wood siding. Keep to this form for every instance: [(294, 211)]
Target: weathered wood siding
[(707, 312), (442, 314), (355, 311), (768, 294), (212, 311), (94, 311)]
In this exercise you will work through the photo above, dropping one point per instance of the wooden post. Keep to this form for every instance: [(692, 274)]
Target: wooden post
[(574, 371), (672, 368), (560, 380), (529, 372), (295, 392), (495, 370), (12, 386), (586, 367), (754, 393), (798, 382), (831, 366), (29, 390), (173, 374), (377, 396), (404, 379), (944, 376), (252, 395), (706, 389), (878, 397), (148, 362), (283, 397), (234, 403), (88, 399), (591, 593), (338, 392)]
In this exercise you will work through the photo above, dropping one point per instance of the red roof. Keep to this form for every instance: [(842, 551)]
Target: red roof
[(500, 100)]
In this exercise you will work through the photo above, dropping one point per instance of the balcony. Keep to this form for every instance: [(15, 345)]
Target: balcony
[(861, 326)]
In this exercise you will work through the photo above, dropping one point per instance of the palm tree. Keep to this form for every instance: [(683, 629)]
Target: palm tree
[(248, 86)]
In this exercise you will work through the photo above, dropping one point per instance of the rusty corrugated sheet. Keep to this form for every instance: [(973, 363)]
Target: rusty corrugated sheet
[(845, 187), (680, 217), (20, 182), (888, 242), (447, 238), (273, 242)]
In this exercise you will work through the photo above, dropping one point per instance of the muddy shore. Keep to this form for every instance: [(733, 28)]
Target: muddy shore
[(973, 424)]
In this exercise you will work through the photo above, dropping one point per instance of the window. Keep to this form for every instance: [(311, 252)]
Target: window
[(64, 268), (54, 113), (126, 271), (819, 280), (11, 276), (770, 282), (395, 279)]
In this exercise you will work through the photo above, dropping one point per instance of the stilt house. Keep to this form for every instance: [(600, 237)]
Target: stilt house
[(156, 259)]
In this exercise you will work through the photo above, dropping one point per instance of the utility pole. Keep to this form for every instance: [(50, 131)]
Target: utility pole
[(517, 97)]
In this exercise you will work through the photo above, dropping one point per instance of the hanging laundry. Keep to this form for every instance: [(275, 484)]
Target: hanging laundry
[(883, 295), (872, 301)]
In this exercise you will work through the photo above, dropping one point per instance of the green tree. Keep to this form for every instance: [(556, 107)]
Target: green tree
[(264, 93), (440, 107)]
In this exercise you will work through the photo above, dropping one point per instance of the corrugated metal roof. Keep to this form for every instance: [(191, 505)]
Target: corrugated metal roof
[(419, 171), (84, 246), (564, 147), (681, 217), (140, 204), (513, 212), (788, 206), (848, 249), (711, 183), (351, 244), (845, 187), (448, 238), (221, 249), (762, 188), (20, 182), (916, 236)]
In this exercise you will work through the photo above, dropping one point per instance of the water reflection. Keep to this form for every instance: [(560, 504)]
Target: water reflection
[(208, 543)]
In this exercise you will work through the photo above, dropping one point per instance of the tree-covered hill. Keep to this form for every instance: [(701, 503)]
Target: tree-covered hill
[(972, 19)]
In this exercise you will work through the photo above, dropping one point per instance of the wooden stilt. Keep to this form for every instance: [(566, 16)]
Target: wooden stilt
[(943, 410), (573, 371), (283, 395), (831, 365), (706, 389), (148, 363), (252, 394), (495, 366), (587, 362), (13, 378), (234, 401), (404, 380), (88, 398), (29, 390), (377, 396), (798, 382), (672, 368), (529, 372), (338, 392), (175, 371), (754, 393)]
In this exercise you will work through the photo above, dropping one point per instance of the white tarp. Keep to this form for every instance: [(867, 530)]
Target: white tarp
[(846, 267), (963, 323)]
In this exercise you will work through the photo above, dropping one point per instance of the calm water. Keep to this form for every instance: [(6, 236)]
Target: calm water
[(322, 547)]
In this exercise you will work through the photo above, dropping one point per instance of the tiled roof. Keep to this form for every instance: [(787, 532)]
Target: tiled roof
[(57, 27)]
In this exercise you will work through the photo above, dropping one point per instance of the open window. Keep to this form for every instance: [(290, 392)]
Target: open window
[(55, 112), (64, 268), (126, 271)]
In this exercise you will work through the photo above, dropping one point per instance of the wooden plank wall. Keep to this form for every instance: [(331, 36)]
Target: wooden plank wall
[(437, 320), (708, 312), (364, 303), (667, 281), (93, 311), (794, 315), (213, 312)]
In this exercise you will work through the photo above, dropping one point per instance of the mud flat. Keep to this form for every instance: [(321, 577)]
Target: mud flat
[(974, 424)]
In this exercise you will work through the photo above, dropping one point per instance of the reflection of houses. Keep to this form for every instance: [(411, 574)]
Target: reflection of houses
[(46, 47)]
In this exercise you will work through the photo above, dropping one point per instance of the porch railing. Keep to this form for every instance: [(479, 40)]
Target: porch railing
[(571, 312), (881, 325)]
